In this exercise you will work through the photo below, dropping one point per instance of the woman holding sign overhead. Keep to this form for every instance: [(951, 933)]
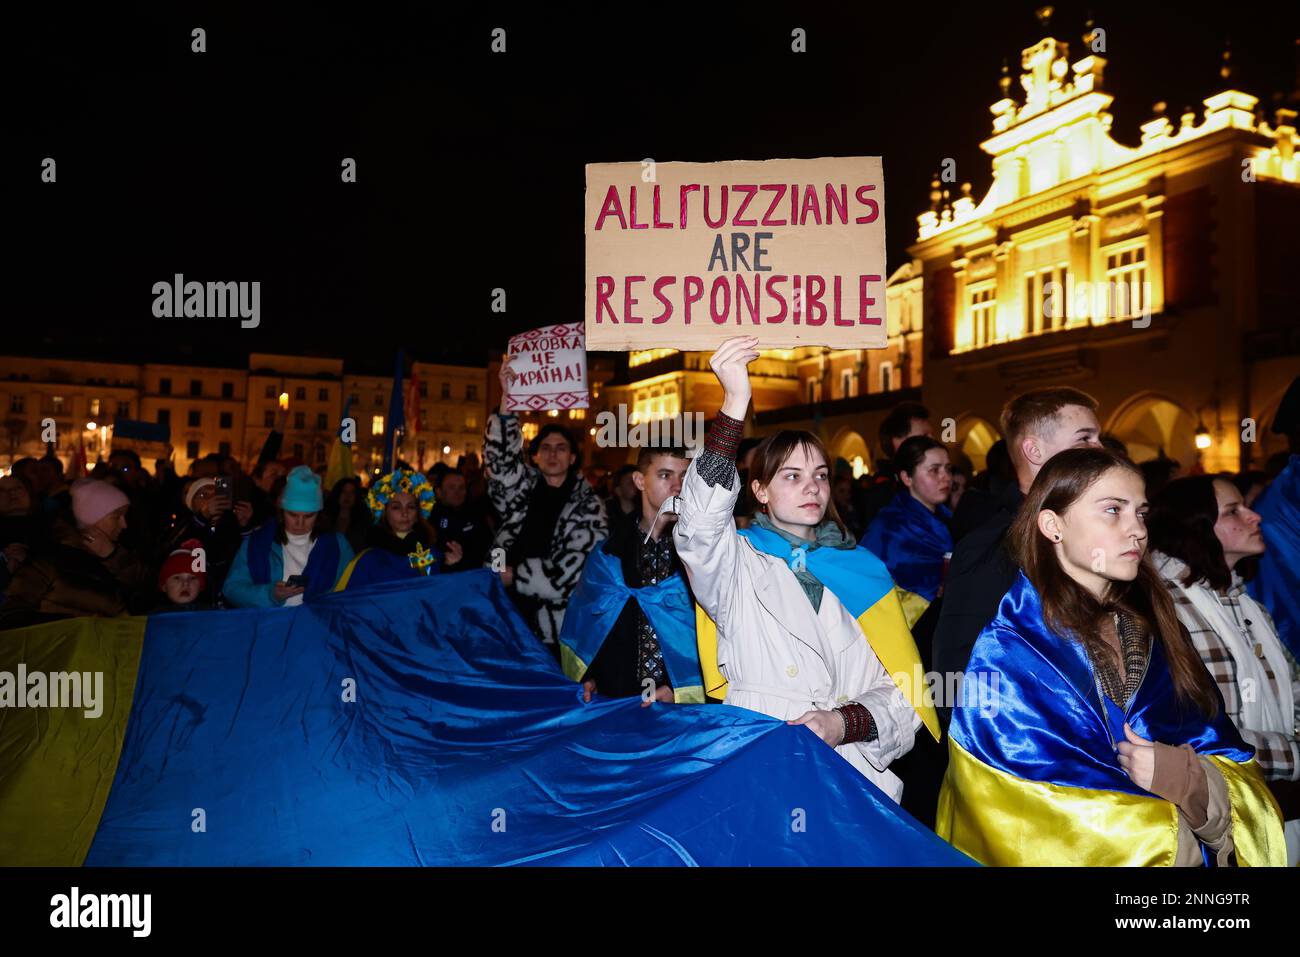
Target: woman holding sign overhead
[(802, 624), (551, 518)]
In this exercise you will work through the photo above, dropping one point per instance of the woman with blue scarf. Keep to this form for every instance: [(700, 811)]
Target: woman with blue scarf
[(910, 534), (1088, 731), (288, 545)]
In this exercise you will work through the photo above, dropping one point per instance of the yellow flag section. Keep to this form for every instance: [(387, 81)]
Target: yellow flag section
[(885, 625), (1257, 829), (1001, 819), (60, 736)]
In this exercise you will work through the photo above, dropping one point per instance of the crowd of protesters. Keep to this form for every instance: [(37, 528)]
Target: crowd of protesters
[(123, 541), (627, 576)]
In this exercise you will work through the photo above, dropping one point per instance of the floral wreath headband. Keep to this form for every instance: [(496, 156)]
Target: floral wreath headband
[(400, 480)]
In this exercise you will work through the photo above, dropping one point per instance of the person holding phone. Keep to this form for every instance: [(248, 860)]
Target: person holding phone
[(216, 521), (289, 558)]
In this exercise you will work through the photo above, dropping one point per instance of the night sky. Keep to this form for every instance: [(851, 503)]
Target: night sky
[(224, 166)]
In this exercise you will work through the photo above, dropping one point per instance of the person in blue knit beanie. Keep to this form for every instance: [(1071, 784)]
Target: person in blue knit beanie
[(290, 558)]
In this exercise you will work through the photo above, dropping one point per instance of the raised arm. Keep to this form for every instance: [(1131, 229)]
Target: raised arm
[(510, 479), (705, 531)]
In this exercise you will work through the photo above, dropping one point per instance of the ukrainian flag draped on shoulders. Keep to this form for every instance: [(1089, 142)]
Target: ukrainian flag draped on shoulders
[(1033, 775), (911, 541), (596, 605), (863, 585)]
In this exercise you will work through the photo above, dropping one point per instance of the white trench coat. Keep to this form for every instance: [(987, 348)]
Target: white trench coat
[(779, 655)]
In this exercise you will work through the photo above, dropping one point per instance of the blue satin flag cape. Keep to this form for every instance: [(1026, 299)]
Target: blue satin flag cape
[(596, 605), (420, 722), (1034, 777), (911, 541)]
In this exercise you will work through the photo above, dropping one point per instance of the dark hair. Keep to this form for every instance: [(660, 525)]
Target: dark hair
[(131, 454), (554, 428), (1114, 443), (282, 535), (1157, 472), (1248, 480), (747, 443), (648, 453), (56, 462), (913, 451), (898, 424), (770, 454), (1181, 523), (1031, 411), (1069, 609)]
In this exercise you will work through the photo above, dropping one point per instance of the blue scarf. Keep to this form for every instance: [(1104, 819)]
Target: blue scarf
[(596, 605), (322, 564), (855, 576), (911, 541)]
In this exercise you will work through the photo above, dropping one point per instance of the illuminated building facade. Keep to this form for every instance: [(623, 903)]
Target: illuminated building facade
[(1157, 277)]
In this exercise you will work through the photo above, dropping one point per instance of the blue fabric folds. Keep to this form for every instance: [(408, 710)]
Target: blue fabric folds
[(1277, 584), (464, 745), (600, 598), (911, 541), (1031, 707)]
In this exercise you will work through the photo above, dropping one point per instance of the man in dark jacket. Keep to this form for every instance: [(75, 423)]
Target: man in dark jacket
[(456, 521), (1037, 425), (630, 654)]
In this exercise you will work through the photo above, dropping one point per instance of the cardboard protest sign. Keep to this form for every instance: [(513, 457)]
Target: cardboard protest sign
[(684, 255), (548, 369)]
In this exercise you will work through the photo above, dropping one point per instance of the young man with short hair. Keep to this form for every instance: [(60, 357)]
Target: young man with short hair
[(649, 647)]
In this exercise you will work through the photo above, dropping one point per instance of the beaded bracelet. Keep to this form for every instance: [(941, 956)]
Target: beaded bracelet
[(859, 725)]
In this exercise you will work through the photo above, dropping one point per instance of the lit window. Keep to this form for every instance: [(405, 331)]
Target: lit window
[(376, 425), (983, 313), (1126, 277)]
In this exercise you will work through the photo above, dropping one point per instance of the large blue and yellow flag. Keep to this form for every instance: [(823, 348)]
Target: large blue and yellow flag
[(414, 722), (596, 605), (862, 584), (1033, 775)]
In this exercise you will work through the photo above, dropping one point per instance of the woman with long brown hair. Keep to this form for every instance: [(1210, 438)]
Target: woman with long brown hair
[(802, 624), (1097, 737)]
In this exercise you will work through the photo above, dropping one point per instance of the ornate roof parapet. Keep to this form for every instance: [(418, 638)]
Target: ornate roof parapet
[(1061, 131)]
